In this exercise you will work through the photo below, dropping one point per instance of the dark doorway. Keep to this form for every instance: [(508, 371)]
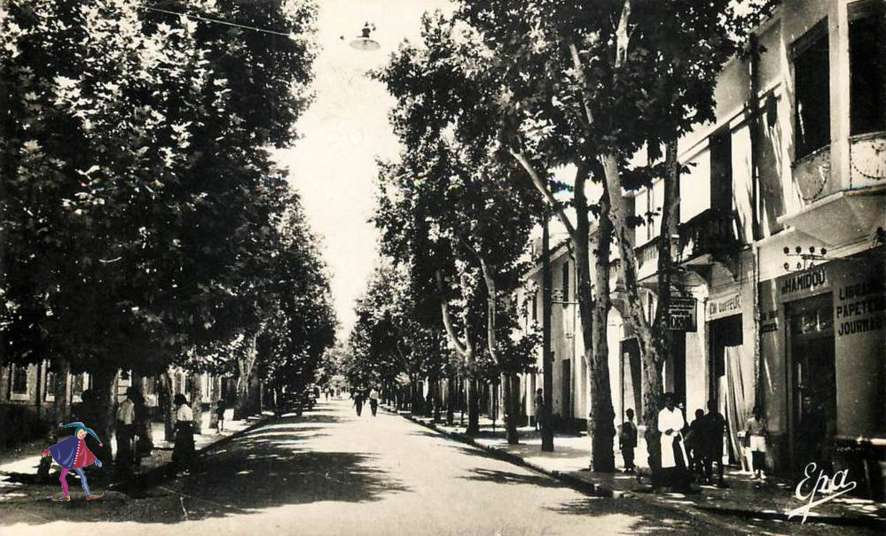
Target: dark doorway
[(567, 389), (813, 380)]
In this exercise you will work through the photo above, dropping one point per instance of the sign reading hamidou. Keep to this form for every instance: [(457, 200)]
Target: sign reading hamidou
[(802, 282), (682, 314)]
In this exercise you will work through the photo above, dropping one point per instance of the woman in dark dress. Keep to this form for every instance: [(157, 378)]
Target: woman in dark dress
[(183, 451)]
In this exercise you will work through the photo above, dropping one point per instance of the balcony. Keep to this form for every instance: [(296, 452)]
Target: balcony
[(712, 232)]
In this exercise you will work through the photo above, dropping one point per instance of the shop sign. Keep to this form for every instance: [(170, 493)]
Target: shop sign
[(682, 314), (860, 307), (722, 307), (768, 321), (804, 283)]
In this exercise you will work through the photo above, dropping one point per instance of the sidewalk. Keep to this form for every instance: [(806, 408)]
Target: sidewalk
[(18, 468), (743, 497)]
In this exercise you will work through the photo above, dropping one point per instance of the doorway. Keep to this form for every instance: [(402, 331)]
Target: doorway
[(813, 380), (726, 383), (567, 389)]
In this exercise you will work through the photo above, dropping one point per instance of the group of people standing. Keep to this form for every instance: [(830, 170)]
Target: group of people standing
[(360, 396), (688, 450)]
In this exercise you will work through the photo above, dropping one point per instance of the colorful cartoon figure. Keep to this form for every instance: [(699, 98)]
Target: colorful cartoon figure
[(72, 454)]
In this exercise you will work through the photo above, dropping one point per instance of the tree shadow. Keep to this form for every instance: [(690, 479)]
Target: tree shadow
[(647, 519), (510, 478), (264, 468)]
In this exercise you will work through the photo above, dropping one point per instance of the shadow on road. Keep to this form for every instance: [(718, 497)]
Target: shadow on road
[(267, 467), (647, 519), (507, 477)]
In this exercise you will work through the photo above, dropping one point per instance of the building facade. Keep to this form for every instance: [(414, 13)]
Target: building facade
[(780, 281)]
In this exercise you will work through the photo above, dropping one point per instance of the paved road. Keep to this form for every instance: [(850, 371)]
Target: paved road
[(331, 473)]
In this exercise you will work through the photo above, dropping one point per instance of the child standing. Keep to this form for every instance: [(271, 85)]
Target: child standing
[(755, 435), (627, 441)]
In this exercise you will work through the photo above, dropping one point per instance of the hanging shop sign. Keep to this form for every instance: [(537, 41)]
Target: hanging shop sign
[(723, 307), (682, 314)]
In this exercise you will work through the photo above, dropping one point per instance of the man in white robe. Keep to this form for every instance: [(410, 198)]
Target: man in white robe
[(670, 424)]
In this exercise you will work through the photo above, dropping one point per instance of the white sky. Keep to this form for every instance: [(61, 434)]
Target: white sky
[(333, 165)]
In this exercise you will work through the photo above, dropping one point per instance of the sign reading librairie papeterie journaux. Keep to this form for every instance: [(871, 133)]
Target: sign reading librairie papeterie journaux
[(681, 314)]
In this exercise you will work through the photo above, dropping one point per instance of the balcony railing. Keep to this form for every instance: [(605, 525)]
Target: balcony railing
[(712, 232)]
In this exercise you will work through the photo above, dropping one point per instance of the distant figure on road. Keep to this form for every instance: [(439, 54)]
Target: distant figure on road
[(72, 453), (539, 404), (183, 451), (373, 401), (220, 416), (358, 402), (627, 440), (126, 431)]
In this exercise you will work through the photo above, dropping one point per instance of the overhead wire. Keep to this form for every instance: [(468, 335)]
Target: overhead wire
[(217, 21)]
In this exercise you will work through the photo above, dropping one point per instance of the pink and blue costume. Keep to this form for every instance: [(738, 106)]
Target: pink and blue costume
[(72, 454)]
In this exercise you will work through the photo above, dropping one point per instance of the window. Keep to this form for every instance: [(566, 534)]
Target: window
[(565, 277), (867, 63), (721, 170), (18, 387), (812, 106)]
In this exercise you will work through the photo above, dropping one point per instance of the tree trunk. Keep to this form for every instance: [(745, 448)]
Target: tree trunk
[(105, 401), (245, 366), (167, 408), (650, 353), (511, 415), (437, 401), (196, 396), (61, 405), (473, 407), (492, 313), (466, 351), (451, 399), (547, 430), (601, 420)]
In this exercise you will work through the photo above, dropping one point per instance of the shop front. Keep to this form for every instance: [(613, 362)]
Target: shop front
[(823, 345)]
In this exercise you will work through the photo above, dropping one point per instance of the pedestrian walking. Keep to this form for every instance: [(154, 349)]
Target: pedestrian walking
[(627, 441), (72, 453), (183, 450), (755, 438), (694, 443), (220, 416), (673, 461), (373, 401), (539, 404), (358, 402), (126, 432), (712, 443)]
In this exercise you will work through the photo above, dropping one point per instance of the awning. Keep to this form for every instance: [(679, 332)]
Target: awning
[(842, 218)]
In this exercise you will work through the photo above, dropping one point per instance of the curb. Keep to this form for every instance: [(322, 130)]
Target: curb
[(711, 514)]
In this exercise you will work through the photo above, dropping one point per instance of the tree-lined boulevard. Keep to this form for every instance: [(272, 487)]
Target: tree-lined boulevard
[(162, 261), (330, 472)]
